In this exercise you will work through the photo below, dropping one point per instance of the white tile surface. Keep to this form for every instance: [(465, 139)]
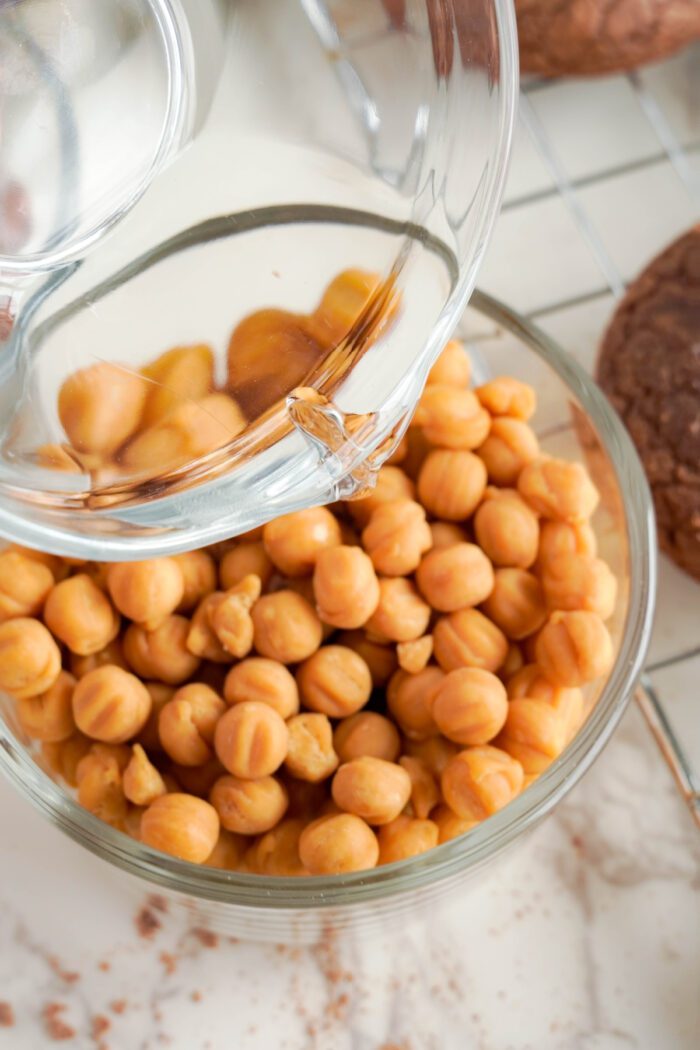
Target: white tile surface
[(528, 173), (677, 620), (675, 84), (638, 214), (678, 685), (583, 121), (537, 257), (579, 328)]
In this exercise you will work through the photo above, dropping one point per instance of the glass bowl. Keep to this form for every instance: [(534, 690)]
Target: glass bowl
[(370, 135), (573, 420)]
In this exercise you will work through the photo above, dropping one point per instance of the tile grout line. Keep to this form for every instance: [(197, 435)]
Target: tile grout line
[(671, 145), (642, 163), (671, 661), (565, 304), (582, 219)]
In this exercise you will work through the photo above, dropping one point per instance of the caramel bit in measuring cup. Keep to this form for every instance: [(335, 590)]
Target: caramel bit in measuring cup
[(270, 353), (123, 424)]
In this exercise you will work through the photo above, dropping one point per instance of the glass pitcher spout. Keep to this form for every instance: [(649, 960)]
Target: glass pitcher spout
[(255, 331)]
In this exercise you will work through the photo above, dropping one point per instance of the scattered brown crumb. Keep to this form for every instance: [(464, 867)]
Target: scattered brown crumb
[(158, 903), (147, 922), (196, 997), (7, 1015), (100, 1025), (337, 1007), (56, 1027), (104, 966), (169, 961), (325, 952), (69, 976), (118, 1006), (205, 937)]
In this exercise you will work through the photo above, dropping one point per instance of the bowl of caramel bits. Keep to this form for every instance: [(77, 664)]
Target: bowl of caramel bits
[(354, 705), (346, 687)]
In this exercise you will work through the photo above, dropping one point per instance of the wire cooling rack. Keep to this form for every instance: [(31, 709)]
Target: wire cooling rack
[(651, 172), (605, 173)]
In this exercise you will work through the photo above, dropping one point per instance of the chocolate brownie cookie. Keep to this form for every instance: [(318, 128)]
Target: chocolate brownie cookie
[(649, 366), (585, 37)]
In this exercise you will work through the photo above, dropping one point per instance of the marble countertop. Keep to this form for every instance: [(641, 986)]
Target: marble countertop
[(587, 937)]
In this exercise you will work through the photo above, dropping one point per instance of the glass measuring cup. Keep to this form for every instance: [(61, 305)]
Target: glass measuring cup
[(368, 137)]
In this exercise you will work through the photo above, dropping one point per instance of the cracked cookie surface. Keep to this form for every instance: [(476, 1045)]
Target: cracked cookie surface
[(587, 37), (649, 366)]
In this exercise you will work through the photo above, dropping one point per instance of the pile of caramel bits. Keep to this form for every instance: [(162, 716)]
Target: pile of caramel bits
[(120, 423), (346, 686)]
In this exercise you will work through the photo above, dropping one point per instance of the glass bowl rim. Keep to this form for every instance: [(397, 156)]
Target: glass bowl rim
[(486, 839)]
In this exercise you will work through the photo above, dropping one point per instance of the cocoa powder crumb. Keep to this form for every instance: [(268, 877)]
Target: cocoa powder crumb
[(147, 923), (205, 937), (69, 976), (56, 1027), (158, 903), (7, 1015), (118, 1006), (337, 1007), (325, 952), (100, 1025), (169, 962)]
